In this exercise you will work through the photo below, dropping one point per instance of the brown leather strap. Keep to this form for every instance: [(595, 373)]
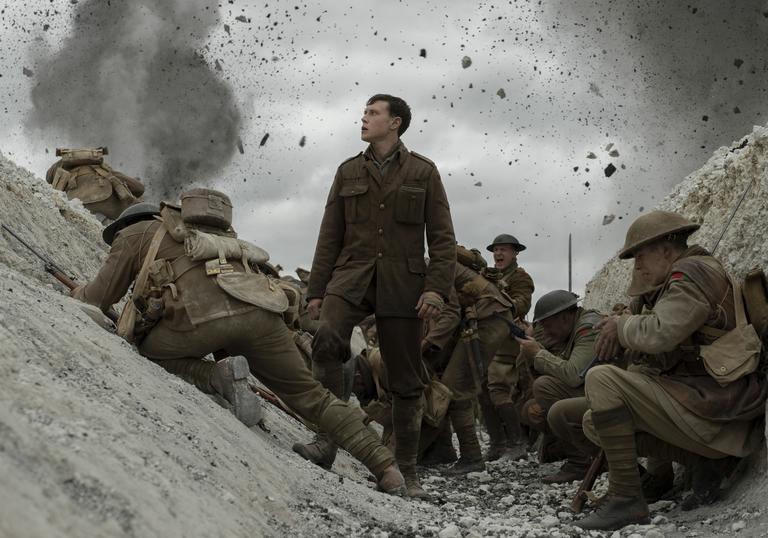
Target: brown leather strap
[(141, 279), (181, 265)]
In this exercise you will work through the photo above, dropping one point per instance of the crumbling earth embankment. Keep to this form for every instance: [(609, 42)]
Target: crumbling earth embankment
[(97, 441)]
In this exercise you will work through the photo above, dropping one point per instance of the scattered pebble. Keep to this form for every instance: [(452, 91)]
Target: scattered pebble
[(739, 525), (451, 531), (466, 61)]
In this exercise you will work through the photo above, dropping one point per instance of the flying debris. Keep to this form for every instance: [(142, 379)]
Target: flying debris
[(591, 155), (614, 153), (423, 53), (27, 72), (466, 61), (478, 184), (264, 139), (303, 141), (738, 62), (607, 219), (501, 93), (609, 170), (240, 146)]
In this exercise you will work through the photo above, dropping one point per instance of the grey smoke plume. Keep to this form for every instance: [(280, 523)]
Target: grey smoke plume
[(131, 76)]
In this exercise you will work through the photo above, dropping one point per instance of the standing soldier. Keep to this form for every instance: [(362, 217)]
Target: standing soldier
[(198, 290), (83, 174), (669, 403), (370, 259), (569, 328), (497, 399), (486, 315)]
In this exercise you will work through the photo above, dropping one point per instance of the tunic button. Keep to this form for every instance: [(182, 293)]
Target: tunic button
[(381, 206), (381, 255)]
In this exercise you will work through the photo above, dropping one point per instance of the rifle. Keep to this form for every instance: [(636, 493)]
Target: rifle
[(272, 398), (513, 328), (471, 339), (54, 270), (577, 504)]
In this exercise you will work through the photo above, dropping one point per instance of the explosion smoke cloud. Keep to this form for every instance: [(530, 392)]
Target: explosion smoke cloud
[(131, 75)]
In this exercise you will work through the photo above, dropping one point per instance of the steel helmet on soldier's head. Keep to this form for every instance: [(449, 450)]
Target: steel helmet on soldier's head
[(506, 239), (553, 303), (134, 213), (654, 226)]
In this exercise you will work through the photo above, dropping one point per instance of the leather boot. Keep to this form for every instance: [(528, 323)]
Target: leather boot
[(463, 421), (517, 444), (440, 450), (229, 378), (569, 472), (706, 476), (322, 450), (615, 512), (494, 427), (406, 422), (656, 484), (345, 427)]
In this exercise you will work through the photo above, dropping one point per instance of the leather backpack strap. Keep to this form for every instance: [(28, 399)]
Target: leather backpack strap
[(154, 246)]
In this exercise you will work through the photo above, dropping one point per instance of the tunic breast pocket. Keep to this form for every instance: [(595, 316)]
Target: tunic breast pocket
[(409, 205), (357, 207)]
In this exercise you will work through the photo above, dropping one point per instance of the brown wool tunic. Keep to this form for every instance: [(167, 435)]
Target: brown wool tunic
[(374, 227)]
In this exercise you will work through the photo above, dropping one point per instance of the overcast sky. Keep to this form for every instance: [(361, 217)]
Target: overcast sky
[(549, 83)]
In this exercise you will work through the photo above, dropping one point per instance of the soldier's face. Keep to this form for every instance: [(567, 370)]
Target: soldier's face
[(652, 263), (558, 327), (377, 123), (503, 256)]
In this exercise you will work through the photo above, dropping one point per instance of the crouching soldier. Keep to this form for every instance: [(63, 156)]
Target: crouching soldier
[(197, 290), (366, 376), (669, 403), (569, 329), (83, 174)]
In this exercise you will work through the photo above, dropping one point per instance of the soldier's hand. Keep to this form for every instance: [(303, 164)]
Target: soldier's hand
[(607, 345), (525, 326), (313, 307), (528, 347), (430, 304)]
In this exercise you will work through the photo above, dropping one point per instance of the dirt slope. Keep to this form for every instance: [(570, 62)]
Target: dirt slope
[(97, 441), (708, 196)]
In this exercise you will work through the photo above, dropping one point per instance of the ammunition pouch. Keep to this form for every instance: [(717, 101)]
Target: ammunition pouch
[(470, 258), (438, 397), (737, 352)]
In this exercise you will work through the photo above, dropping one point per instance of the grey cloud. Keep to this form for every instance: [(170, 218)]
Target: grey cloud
[(130, 75)]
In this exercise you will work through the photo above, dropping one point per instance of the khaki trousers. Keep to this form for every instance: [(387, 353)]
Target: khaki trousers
[(565, 420), (609, 388), (502, 381), (264, 340), (399, 340), (547, 390), (459, 375)]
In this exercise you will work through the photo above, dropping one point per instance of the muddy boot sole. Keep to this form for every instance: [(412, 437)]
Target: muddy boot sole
[(232, 377), (321, 451), (392, 482)]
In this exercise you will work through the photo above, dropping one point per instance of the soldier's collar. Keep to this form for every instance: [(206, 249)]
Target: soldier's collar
[(399, 151)]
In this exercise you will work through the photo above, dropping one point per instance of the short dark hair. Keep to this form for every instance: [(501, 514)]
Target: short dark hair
[(397, 108)]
